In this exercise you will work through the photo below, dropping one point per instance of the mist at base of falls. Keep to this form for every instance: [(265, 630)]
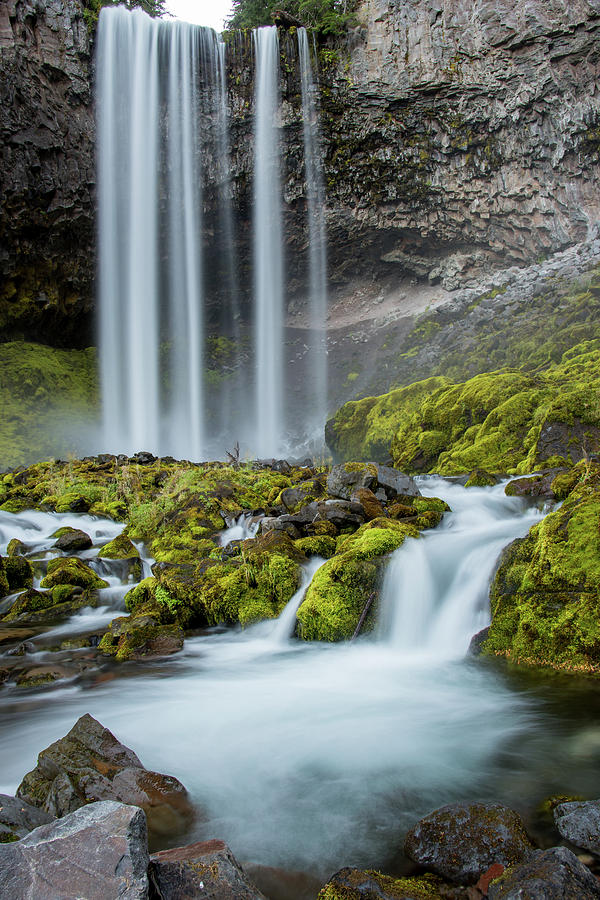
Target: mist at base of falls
[(315, 756)]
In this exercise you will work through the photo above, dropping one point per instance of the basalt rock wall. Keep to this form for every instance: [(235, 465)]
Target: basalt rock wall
[(459, 135), (46, 173)]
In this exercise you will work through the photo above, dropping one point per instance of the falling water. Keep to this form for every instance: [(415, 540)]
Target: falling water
[(315, 199), (268, 245), (157, 81)]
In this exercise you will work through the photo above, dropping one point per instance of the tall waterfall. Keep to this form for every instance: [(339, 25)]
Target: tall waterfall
[(167, 225), (317, 239)]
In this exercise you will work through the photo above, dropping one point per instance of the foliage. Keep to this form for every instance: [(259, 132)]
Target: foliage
[(325, 16), (92, 8)]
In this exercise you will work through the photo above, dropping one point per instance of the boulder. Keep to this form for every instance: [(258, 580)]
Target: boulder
[(19, 573), (461, 841), (395, 483), (579, 823), (206, 869), (140, 637), (554, 874), (540, 485), (71, 570), (18, 818), (97, 852), (71, 540), (355, 884), (477, 641), (90, 764), (369, 502), (16, 548), (346, 478)]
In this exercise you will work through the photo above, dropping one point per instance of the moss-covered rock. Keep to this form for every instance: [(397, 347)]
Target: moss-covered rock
[(46, 606), (499, 421), (545, 597), (320, 545), (70, 570), (29, 602), (356, 884), (480, 478), (119, 548), (19, 572), (138, 637), (16, 548), (340, 589), (4, 589)]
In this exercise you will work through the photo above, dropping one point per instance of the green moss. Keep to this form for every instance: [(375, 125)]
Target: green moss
[(354, 884), (480, 478), (319, 545), (340, 589), (49, 399), (138, 636), (19, 572), (70, 570), (119, 548), (29, 602), (545, 597)]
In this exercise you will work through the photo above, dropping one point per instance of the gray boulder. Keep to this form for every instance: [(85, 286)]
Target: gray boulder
[(18, 818), (461, 841), (387, 483), (71, 540), (89, 764), (395, 483), (206, 869), (554, 874), (99, 852), (579, 823)]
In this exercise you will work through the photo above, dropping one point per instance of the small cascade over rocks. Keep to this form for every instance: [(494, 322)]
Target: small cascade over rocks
[(166, 218)]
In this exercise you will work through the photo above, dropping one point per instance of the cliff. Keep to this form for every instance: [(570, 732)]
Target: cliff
[(46, 173), (459, 137)]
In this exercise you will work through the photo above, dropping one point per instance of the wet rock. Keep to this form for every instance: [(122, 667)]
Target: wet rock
[(96, 852), (579, 823), (396, 483), (341, 513), (206, 869), (19, 573), (18, 818), (477, 641), (346, 478), (90, 764), (8, 634), (119, 548), (369, 502), (39, 675), (461, 841), (72, 540), (16, 548), (141, 637), (480, 478), (72, 571), (534, 485), (554, 874), (355, 884)]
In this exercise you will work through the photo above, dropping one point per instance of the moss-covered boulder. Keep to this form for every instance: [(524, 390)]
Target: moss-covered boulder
[(502, 421), (72, 540), (356, 884), (30, 601), (545, 597), (72, 571), (16, 548), (119, 548), (140, 637), (340, 589), (4, 589), (38, 607), (19, 572)]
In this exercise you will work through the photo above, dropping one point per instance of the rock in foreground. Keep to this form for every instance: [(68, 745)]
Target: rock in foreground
[(90, 764), (579, 823), (97, 852), (18, 818), (461, 841), (554, 874), (206, 869)]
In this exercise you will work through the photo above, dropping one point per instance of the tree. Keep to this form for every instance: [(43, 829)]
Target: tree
[(91, 8), (326, 16)]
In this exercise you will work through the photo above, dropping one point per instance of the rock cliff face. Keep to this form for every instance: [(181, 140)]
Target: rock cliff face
[(459, 136), (46, 173), (462, 133)]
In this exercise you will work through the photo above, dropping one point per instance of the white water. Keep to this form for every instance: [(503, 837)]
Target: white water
[(317, 237), (317, 756), (242, 529), (283, 627), (268, 246)]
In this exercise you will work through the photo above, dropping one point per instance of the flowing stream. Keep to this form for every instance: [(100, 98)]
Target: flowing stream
[(314, 756)]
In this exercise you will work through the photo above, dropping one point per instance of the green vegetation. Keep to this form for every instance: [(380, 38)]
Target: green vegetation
[(48, 399), (507, 421), (91, 8), (354, 884), (325, 16), (546, 593)]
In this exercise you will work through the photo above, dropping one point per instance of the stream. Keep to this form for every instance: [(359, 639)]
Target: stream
[(310, 757)]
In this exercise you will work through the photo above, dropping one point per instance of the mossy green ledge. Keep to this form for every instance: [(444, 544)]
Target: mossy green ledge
[(545, 597)]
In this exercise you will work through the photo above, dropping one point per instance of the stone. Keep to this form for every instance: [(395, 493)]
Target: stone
[(395, 483), (16, 548), (207, 869), (356, 884), (18, 818), (71, 570), (534, 485), (90, 764), (461, 841), (554, 874), (369, 502), (477, 641), (97, 852), (579, 823), (72, 540), (346, 478)]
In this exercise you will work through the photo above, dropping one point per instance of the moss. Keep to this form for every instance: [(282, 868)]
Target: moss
[(49, 399), (4, 589), (70, 570), (340, 589), (29, 602), (119, 548), (137, 637), (16, 548), (19, 572), (354, 884), (545, 597), (319, 545), (480, 478)]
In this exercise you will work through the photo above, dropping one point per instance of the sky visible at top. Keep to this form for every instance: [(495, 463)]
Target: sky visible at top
[(201, 12)]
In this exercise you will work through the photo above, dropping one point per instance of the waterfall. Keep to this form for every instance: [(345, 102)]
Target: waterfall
[(435, 591), (170, 286), (315, 201), (268, 245)]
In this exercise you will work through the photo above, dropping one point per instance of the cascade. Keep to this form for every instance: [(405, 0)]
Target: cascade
[(317, 253), (164, 159)]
